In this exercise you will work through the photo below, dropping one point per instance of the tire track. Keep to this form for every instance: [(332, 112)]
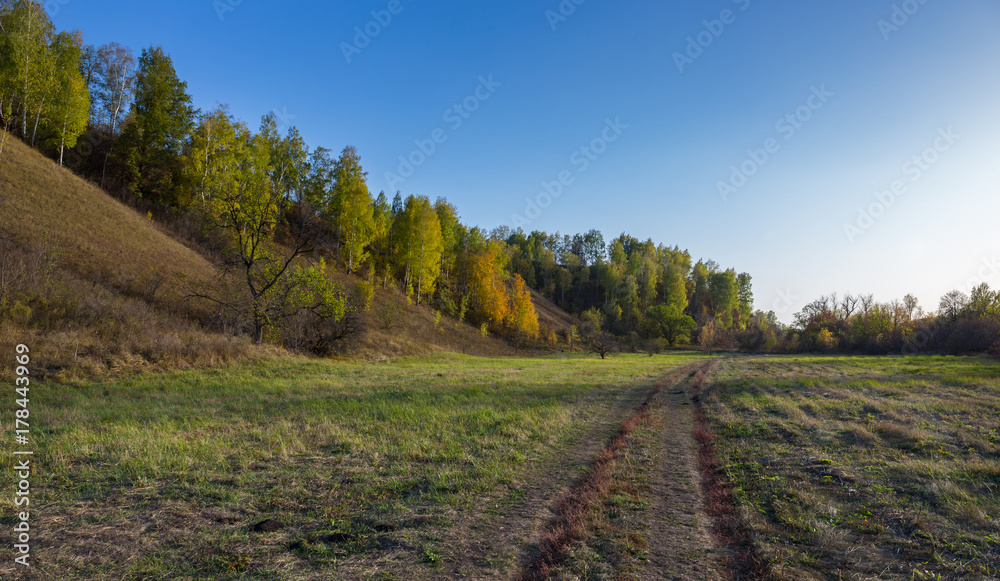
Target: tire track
[(489, 545), (678, 530), (570, 510), (744, 562)]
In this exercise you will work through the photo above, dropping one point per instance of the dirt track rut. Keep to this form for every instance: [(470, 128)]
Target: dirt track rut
[(679, 533)]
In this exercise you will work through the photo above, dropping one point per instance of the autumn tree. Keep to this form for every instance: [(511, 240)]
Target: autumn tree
[(522, 320), (488, 302), (708, 335)]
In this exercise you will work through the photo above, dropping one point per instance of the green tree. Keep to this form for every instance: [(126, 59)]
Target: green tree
[(110, 75), (113, 77), (213, 158), (68, 113), (745, 286), (381, 245), (289, 165), (451, 234), (670, 322), (698, 291), (353, 207), (725, 298), (248, 206), (674, 287), (25, 35), (419, 245), (154, 137)]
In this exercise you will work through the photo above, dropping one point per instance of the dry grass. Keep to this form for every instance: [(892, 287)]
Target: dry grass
[(864, 468), (99, 238)]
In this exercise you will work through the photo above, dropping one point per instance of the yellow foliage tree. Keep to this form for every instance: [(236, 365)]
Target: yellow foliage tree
[(488, 302), (522, 319)]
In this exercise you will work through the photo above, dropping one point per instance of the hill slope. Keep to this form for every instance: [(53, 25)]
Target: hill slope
[(115, 297), (96, 237)]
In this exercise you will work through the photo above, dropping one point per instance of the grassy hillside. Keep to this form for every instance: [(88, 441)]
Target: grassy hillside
[(93, 286), (552, 317), (97, 237)]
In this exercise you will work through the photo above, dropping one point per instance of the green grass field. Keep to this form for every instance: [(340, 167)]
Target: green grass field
[(161, 476), (843, 468), (864, 468)]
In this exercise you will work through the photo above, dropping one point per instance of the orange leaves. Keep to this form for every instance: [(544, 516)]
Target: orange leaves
[(504, 307), (487, 291)]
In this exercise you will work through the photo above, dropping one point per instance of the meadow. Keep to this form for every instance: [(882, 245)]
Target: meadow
[(452, 466), (301, 469), (864, 467)]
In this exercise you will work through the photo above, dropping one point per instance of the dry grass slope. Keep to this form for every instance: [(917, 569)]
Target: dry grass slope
[(95, 235)]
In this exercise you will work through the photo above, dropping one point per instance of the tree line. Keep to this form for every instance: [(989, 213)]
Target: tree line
[(129, 124), (963, 323), (267, 200)]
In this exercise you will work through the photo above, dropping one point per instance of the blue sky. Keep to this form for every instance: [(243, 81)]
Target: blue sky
[(641, 125)]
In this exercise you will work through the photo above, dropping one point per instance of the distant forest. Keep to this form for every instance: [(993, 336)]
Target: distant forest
[(264, 200)]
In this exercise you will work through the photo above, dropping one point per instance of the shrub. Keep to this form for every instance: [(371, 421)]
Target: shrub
[(364, 293)]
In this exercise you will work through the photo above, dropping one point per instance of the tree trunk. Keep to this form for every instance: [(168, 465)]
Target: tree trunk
[(38, 116), (105, 168)]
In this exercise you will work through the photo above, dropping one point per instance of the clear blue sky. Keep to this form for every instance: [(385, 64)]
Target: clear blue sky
[(889, 92)]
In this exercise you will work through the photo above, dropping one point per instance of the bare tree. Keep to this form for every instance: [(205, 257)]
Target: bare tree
[(899, 313), (911, 304), (601, 343), (834, 305), (867, 302), (848, 305)]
